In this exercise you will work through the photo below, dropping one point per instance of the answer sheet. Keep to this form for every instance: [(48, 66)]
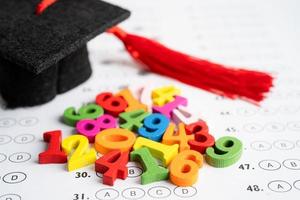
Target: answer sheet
[(261, 35)]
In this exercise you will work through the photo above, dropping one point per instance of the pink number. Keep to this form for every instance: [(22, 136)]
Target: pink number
[(168, 108), (90, 128)]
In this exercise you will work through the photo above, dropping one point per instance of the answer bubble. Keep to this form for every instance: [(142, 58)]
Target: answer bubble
[(261, 146), (253, 128), (2, 157), (19, 157), (284, 144), (246, 111), (99, 174), (297, 184), (269, 165), (107, 194), (268, 111), (274, 127), (24, 138), (134, 171), (28, 121), (7, 122), (279, 186), (185, 192), (10, 197), (133, 193), (289, 109), (298, 143), (4, 139), (159, 192), (294, 126), (14, 177), (293, 164)]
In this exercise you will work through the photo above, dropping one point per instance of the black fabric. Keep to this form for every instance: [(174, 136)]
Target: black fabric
[(41, 56), (23, 88), (37, 42), (19, 87), (73, 70)]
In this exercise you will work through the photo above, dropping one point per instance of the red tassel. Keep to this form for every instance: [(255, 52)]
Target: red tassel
[(216, 78), (43, 5)]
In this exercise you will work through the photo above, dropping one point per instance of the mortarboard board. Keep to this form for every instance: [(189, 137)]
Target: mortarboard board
[(44, 55)]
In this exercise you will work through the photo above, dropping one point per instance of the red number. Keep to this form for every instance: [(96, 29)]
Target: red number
[(112, 165), (203, 139), (113, 105), (53, 154)]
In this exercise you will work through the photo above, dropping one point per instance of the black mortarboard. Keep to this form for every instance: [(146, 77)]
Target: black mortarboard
[(42, 55)]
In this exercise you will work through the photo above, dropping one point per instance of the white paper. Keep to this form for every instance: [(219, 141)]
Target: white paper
[(262, 35)]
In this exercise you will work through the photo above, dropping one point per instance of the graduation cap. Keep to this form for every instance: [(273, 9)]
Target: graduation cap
[(42, 55), (45, 54)]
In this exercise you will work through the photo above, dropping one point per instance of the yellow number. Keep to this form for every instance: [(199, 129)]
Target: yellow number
[(82, 154)]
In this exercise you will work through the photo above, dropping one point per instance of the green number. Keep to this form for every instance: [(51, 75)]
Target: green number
[(227, 151), (152, 171), (90, 111), (132, 120)]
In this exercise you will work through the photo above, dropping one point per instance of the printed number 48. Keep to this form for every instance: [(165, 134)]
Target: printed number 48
[(253, 188)]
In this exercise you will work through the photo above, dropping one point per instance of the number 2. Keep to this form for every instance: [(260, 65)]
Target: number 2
[(82, 155)]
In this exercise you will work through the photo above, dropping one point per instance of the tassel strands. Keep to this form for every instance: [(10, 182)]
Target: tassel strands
[(230, 82)]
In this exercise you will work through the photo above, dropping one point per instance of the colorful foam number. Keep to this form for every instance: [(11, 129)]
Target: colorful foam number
[(133, 103), (168, 108), (90, 111), (90, 128), (114, 139), (113, 105), (163, 95), (113, 165), (163, 152), (184, 168), (203, 139), (146, 93), (152, 171), (80, 155), (226, 152), (53, 154), (183, 114), (154, 126), (132, 120), (179, 137)]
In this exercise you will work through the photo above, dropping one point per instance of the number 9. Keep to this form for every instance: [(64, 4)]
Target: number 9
[(154, 126), (226, 152)]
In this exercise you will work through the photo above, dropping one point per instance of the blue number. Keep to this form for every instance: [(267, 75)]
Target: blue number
[(154, 126)]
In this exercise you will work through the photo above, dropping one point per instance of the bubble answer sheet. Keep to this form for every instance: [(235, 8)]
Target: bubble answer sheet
[(261, 35)]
